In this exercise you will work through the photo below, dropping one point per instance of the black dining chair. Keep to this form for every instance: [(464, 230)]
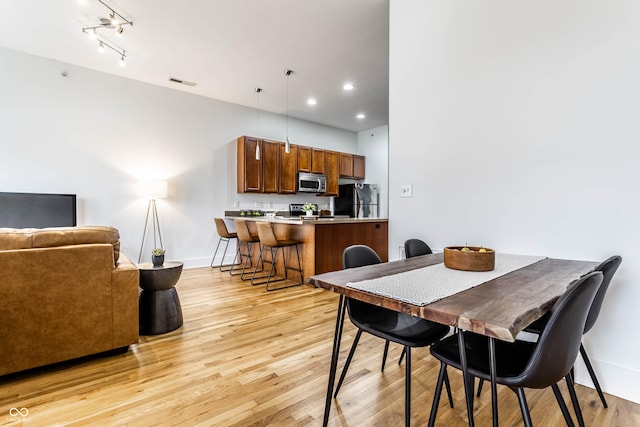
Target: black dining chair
[(524, 364), (387, 324), (416, 247), (608, 268)]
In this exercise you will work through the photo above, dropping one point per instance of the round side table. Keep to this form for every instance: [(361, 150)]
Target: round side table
[(159, 304)]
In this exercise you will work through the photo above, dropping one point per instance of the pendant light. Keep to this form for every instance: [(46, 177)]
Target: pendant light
[(258, 90), (287, 145)]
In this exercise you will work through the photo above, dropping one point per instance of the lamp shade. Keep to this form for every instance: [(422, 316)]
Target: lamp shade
[(153, 189)]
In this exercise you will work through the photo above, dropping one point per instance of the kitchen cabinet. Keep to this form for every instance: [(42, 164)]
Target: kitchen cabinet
[(304, 159), (270, 166), (288, 169), (346, 165), (277, 171), (317, 160), (358, 167), (351, 166), (332, 172), (249, 178)]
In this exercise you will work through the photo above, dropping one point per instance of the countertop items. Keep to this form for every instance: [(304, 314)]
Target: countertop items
[(337, 219)]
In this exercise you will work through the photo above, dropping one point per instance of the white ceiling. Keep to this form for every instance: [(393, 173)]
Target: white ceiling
[(228, 47)]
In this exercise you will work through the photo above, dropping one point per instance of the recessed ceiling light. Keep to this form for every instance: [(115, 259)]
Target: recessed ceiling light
[(312, 101), (361, 116), (347, 86)]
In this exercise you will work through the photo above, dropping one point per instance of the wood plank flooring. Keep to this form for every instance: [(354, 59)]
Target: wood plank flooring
[(246, 357)]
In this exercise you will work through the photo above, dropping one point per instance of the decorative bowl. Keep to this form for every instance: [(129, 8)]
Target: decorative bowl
[(471, 260)]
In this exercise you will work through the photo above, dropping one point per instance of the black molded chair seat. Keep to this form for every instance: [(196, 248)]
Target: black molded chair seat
[(394, 326), (387, 324), (523, 364)]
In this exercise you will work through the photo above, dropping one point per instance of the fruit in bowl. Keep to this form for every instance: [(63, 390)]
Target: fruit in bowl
[(469, 258)]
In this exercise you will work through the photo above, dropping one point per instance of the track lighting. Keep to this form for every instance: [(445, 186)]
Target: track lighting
[(115, 21)]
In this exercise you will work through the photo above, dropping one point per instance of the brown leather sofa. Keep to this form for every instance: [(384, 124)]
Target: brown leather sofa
[(64, 293)]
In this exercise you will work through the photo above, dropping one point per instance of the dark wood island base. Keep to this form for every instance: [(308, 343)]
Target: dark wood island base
[(324, 240)]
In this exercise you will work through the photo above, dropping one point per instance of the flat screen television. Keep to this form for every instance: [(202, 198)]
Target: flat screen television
[(36, 210)]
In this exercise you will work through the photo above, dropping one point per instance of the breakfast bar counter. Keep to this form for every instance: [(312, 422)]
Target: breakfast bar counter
[(324, 239)]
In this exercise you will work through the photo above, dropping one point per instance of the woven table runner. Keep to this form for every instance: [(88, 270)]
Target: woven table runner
[(426, 285)]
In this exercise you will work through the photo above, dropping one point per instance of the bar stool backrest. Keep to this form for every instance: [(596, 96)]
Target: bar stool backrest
[(266, 234), (221, 227), (243, 231)]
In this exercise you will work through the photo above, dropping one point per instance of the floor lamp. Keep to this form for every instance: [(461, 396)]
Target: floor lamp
[(153, 190)]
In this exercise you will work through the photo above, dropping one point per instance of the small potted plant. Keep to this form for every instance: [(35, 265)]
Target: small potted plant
[(309, 208), (157, 257)]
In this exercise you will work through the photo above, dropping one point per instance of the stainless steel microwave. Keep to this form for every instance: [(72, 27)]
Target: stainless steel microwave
[(312, 182)]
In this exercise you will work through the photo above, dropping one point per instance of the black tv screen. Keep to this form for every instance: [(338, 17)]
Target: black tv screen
[(33, 210)]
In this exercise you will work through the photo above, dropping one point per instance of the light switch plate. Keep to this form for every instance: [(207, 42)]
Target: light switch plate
[(405, 190)]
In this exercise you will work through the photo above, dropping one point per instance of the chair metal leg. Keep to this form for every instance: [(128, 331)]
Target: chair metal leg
[(592, 374), (348, 361), (563, 406), (384, 354), (480, 383), (526, 416), (401, 357), (407, 388), (436, 396), (574, 400), (447, 384)]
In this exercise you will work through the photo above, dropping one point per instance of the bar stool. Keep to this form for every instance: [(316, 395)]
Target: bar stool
[(268, 240), (225, 236), (245, 238)]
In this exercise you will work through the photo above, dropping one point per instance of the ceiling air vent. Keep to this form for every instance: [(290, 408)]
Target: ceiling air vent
[(182, 82)]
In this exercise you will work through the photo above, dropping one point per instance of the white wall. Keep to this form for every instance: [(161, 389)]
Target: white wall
[(516, 123), (374, 145), (96, 135)]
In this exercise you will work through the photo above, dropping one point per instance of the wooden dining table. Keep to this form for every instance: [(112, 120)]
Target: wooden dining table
[(499, 308)]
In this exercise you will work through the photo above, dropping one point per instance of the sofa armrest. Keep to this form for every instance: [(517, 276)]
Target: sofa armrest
[(125, 285)]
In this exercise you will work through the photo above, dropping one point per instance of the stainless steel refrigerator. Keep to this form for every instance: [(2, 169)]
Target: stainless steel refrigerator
[(357, 200)]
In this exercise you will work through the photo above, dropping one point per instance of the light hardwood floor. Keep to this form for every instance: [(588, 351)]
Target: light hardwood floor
[(246, 357)]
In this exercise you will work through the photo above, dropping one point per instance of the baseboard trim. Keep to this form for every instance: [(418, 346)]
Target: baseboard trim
[(616, 380)]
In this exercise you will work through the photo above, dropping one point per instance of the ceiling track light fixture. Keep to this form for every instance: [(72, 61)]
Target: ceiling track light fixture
[(287, 145), (258, 90), (115, 21)]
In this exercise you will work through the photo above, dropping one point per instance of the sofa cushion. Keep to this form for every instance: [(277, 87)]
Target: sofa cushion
[(27, 238)]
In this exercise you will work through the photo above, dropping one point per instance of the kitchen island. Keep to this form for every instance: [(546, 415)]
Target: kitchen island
[(324, 239)]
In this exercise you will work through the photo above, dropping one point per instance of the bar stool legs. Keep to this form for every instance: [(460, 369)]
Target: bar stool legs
[(269, 241), (273, 250), (225, 236)]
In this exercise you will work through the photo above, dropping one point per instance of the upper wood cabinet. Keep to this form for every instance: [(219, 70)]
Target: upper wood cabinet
[(346, 165), (277, 172), (304, 159), (249, 179), (358, 167), (317, 160), (332, 172), (270, 166), (288, 169)]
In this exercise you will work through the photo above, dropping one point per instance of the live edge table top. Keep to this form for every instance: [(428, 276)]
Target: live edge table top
[(499, 308)]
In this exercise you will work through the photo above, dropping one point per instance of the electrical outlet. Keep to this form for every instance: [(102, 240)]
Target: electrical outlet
[(406, 190)]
